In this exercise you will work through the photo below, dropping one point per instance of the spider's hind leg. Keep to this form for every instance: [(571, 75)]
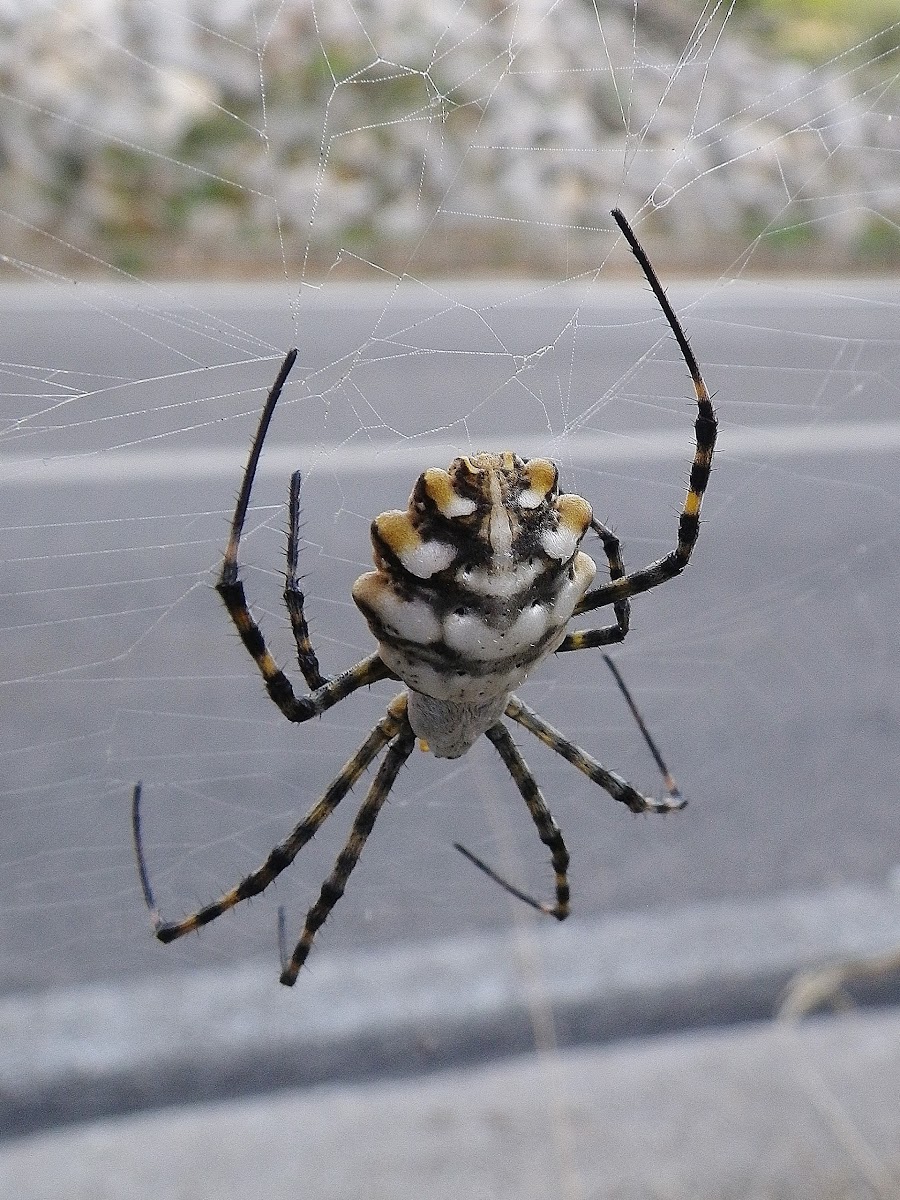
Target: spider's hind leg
[(705, 429), (587, 639), (137, 837), (229, 574), (231, 588), (293, 595)]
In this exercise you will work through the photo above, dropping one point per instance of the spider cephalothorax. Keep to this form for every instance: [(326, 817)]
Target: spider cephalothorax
[(475, 584)]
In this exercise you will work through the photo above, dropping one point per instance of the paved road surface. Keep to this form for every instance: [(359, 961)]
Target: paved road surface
[(768, 672)]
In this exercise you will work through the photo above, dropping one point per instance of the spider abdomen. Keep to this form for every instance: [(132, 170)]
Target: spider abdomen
[(474, 585)]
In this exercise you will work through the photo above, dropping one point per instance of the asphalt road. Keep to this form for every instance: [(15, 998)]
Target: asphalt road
[(770, 1111), (768, 672)]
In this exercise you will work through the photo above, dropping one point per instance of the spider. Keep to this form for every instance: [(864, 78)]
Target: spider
[(474, 585)]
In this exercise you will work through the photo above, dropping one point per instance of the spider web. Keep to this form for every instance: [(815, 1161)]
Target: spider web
[(418, 196)]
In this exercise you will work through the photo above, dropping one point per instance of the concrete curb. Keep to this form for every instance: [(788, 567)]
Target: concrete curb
[(764, 1112), (99, 1050)]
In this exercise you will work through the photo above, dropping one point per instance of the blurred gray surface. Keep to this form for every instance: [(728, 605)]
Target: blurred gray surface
[(768, 672), (101, 1049), (770, 1111)]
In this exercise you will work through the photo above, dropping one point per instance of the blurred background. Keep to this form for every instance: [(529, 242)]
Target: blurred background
[(417, 196), (253, 139)]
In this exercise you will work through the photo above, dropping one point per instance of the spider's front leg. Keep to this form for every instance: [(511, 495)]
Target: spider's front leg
[(517, 710), (333, 887), (326, 693), (394, 727), (548, 830)]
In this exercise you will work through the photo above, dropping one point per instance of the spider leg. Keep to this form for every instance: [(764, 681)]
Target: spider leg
[(286, 851), (333, 887), (293, 596), (705, 430), (297, 708), (588, 638), (672, 789), (231, 589), (617, 787), (548, 830)]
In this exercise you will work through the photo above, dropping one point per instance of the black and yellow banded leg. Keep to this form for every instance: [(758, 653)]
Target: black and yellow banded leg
[(548, 830), (589, 638), (295, 708), (230, 561), (293, 595), (333, 887), (617, 787), (231, 589), (286, 851), (705, 428)]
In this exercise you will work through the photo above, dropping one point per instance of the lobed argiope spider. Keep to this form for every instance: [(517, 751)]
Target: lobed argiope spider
[(474, 585)]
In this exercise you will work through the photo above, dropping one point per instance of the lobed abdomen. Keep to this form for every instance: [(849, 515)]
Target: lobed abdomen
[(474, 585)]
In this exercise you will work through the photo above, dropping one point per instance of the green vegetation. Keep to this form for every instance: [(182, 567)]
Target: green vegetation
[(879, 244), (817, 30)]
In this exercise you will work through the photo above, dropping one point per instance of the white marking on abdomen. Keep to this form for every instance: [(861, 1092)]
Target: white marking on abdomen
[(499, 581), (473, 638)]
